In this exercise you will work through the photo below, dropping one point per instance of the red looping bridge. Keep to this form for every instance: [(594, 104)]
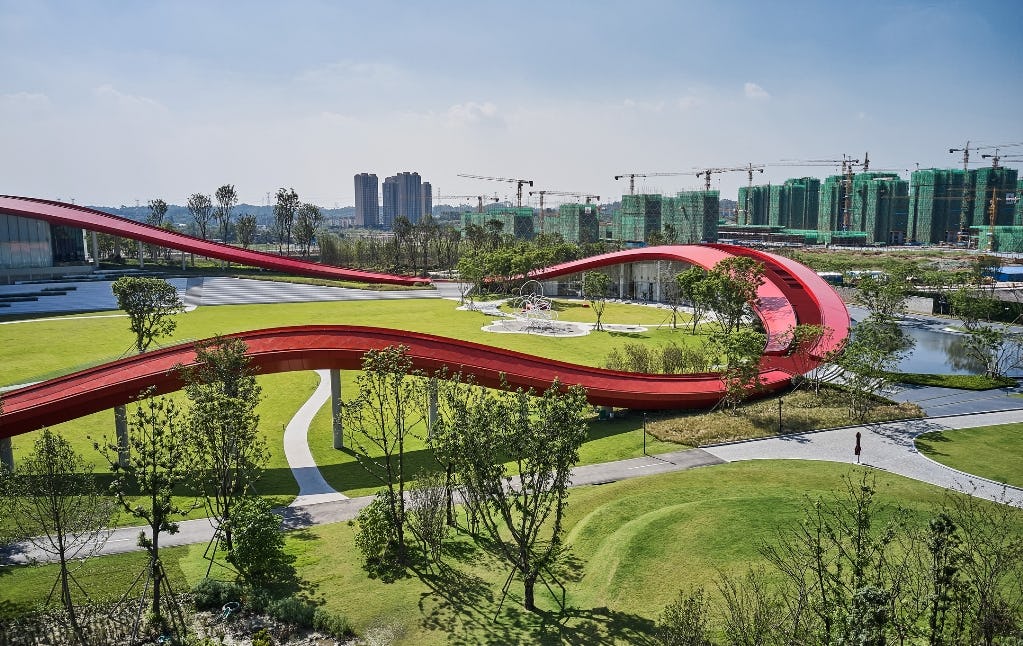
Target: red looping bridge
[(792, 294)]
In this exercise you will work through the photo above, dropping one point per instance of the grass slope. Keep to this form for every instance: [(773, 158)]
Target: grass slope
[(633, 544), (992, 452)]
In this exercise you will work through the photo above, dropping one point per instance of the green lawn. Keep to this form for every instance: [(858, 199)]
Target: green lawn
[(38, 350), (992, 452), (633, 545)]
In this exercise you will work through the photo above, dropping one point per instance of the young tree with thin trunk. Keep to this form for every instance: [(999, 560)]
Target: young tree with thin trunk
[(378, 422), (157, 464), (155, 218), (150, 304), (693, 289), (595, 287), (742, 350), (521, 508), (227, 198), (284, 216), (308, 220), (245, 229), (57, 506), (228, 452), (732, 290), (201, 208)]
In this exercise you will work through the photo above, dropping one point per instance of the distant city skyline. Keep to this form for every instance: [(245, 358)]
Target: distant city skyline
[(107, 104)]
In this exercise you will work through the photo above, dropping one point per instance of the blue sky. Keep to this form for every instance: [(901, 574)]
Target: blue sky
[(111, 102)]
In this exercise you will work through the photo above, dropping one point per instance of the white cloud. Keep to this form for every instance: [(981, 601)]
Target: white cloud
[(646, 106), (473, 113), (31, 100), (108, 93), (350, 71), (754, 91)]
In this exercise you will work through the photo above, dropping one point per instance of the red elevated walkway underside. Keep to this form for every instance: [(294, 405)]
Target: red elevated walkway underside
[(84, 218), (794, 294)]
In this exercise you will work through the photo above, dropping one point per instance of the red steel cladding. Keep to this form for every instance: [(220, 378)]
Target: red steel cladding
[(85, 218), (792, 294)]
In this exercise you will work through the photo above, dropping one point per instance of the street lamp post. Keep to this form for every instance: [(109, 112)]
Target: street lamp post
[(779, 415)]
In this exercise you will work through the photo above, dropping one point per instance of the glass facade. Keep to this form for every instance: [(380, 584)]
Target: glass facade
[(24, 243)]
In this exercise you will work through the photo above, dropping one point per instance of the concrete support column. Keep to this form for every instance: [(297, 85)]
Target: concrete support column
[(6, 453), (182, 260), (621, 281), (121, 430), (657, 285), (95, 249), (142, 256), (335, 408)]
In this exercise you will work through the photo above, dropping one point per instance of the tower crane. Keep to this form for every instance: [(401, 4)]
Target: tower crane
[(518, 182), (749, 168), (470, 197), (632, 178), (847, 165)]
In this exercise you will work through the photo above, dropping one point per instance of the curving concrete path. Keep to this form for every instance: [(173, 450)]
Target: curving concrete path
[(312, 487), (886, 446)]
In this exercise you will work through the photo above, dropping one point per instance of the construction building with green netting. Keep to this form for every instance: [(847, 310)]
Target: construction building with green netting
[(880, 207), (690, 217), (991, 188), (576, 223), (753, 205), (517, 222), (935, 205), (1004, 239), (638, 219)]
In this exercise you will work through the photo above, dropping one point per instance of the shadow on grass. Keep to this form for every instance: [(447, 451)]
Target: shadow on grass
[(926, 443), (470, 609)]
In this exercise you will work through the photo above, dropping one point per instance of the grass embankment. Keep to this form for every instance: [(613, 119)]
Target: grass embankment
[(633, 544), (801, 411), (961, 382), (992, 452)]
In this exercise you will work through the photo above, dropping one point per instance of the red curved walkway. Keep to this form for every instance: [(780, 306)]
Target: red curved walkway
[(337, 346), (85, 218), (791, 294)]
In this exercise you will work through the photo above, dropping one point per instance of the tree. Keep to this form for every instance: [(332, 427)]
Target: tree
[(284, 216), (227, 198), (997, 348), (803, 339), (150, 304), (693, 288), (57, 506), (874, 348), (229, 453), (144, 486), (307, 222), (838, 562), (481, 432), (971, 307), (258, 551), (245, 229), (379, 421), (471, 273), (201, 208), (732, 290), (884, 296), (595, 287), (742, 350), (155, 218)]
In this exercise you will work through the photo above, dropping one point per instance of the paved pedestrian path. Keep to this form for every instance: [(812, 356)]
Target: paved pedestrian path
[(887, 446), (312, 487)]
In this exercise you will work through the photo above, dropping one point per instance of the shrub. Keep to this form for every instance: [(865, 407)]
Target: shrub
[(374, 532), (684, 622), (210, 594), (292, 610), (332, 624), (259, 544)]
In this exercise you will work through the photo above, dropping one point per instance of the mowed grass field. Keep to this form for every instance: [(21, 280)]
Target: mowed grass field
[(992, 452), (39, 349), (633, 545)]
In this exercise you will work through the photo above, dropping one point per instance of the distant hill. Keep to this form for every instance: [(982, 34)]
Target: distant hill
[(179, 215)]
